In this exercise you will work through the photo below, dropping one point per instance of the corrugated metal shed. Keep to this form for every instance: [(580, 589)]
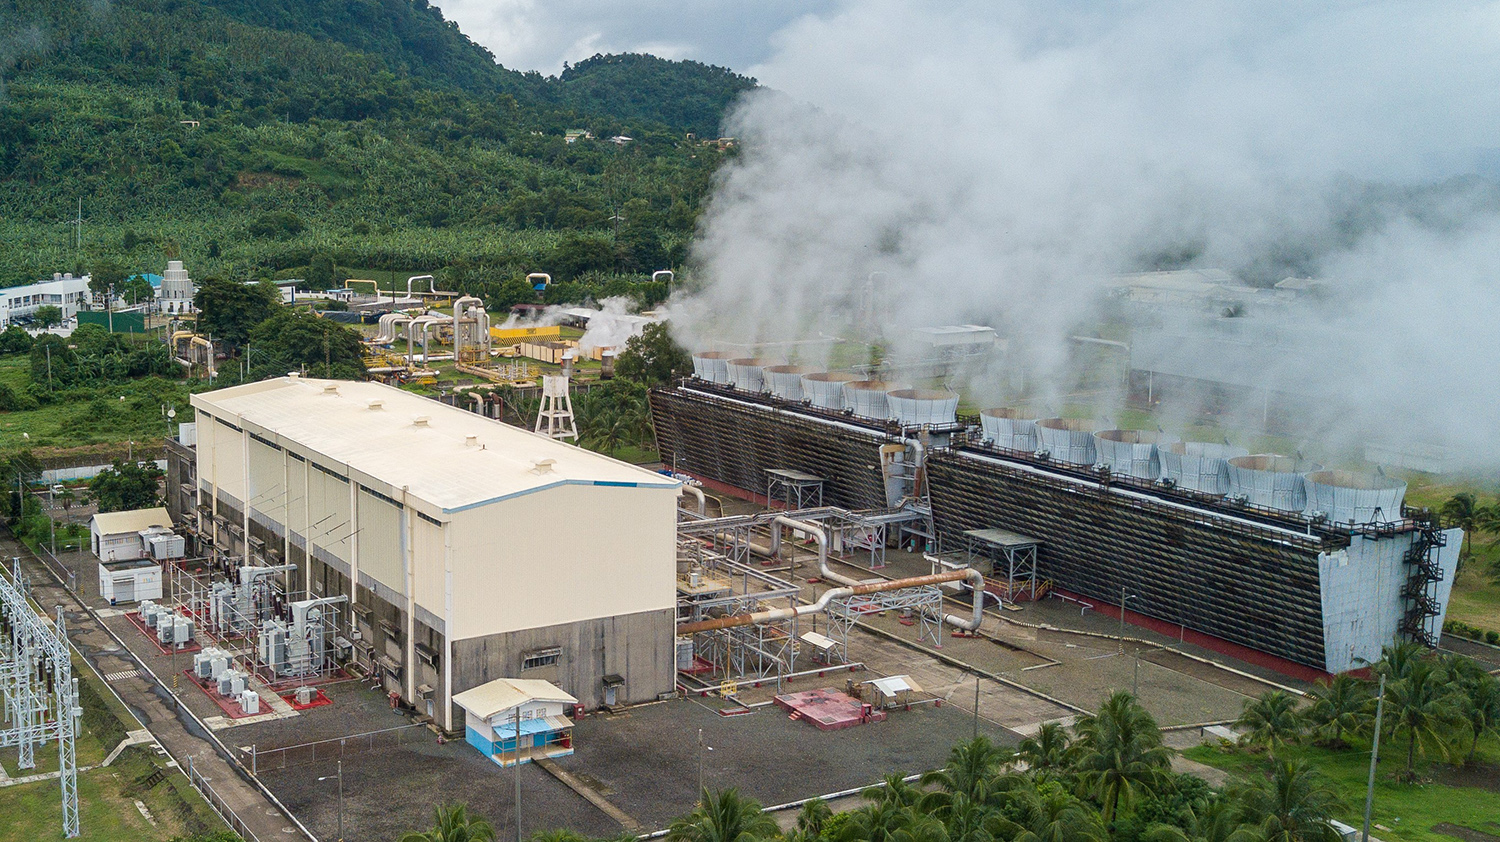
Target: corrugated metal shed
[(502, 694), (120, 523)]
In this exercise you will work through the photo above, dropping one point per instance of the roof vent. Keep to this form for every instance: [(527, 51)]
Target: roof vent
[(471, 441), (543, 466), (421, 420), (377, 404), (331, 389), (293, 375)]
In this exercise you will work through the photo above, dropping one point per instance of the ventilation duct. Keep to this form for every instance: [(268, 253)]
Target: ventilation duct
[(1069, 440), (1198, 466), (1350, 497), (825, 390), (1131, 452), (1272, 481), (1009, 429), (917, 407), (712, 366), (785, 381)]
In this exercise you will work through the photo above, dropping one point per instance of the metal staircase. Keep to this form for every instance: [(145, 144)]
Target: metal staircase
[(1423, 575)]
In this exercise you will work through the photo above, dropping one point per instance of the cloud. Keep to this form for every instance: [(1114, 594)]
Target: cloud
[(996, 160), (531, 35)]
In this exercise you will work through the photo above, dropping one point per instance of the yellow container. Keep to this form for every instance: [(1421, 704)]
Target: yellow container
[(523, 334)]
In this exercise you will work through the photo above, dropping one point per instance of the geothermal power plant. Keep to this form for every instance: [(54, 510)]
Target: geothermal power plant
[(1263, 556)]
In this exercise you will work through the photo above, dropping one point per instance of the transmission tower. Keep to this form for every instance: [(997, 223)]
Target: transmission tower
[(40, 693)]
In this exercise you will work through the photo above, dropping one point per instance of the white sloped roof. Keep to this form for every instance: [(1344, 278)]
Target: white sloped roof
[(433, 460), (502, 694), (118, 523)]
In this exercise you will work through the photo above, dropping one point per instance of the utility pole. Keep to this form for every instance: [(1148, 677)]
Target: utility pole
[(1123, 598), (341, 801), (976, 706), (518, 773), (700, 764), (1374, 759)]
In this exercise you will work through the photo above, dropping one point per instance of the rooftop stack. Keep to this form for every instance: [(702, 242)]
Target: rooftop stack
[(785, 381), (747, 373), (1009, 429), (1198, 466), (825, 390), (866, 398), (1271, 481), (1131, 452), (1069, 440), (1350, 497), (922, 407), (712, 366)]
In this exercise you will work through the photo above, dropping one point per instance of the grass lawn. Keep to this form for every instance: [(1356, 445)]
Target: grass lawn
[(1407, 811)]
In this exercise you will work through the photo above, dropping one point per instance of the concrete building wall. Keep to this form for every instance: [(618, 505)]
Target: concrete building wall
[(636, 647)]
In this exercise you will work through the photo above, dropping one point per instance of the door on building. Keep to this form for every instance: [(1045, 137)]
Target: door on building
[(125, 589)]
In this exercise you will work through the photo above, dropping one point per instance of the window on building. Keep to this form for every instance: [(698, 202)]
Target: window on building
[(539, 658)]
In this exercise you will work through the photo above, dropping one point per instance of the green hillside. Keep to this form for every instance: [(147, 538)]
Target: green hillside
[(250, 136)]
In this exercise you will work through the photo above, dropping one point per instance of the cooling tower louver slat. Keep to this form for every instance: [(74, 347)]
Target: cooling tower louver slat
[(1270, 481), (785, 381), (1009, 429), (1347, 497), (825, 390), (1131, 452), (1069, 440), (866, 398), (922, 407), (1198, 466), (712, 366)]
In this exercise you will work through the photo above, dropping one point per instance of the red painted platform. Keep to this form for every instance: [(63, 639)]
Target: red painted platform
[(140, 625), (828, 709), (231, 707)]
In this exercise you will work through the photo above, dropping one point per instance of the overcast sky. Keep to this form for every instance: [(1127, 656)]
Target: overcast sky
[(533, 35)]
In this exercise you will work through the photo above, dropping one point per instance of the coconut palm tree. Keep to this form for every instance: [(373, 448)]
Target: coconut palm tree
[(724, 816), (1479, 707), (1292, 804), (1049, 813), (1270, 721), (1213, 820), (453, 823), (1340, 707), (1396, 661), (811, 818), (1421, 706), (1121, 756), (922, 829), (1049, 753), (877, 822), (894, 789), (970, 767), (558, 836), (1463, 511)]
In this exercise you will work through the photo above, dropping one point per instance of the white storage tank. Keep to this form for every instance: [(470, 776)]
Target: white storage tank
[(1068, 440), (1198, 466), (785, 381), (825, 389), (712, 366), (1270, 481), (747, 373), (866, 398), (920, 407), (1351, 497), (1131, 452), (1009, 429)]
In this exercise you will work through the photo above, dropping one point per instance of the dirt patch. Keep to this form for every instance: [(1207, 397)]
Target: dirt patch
[(1467, 834), (1476, 775)]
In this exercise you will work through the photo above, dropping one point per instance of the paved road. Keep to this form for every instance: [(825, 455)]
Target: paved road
[(173, 726)]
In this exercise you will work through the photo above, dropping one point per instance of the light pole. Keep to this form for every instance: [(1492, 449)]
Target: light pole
[(1123, 599), (1374, 759), (340, 777), (701, 750)]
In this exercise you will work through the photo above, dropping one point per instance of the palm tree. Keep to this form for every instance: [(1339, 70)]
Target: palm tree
[(1462, 510), (922, 829), (1479, 707), (452, 823), (1421, 706), (1050, 813), (1341, 706), (1270, 721), (1293, 804), (811, 818), (559, 836), (1396, 661), (1121, 755), (970, 767), (725, 816), (893, 789), (877, 822), (1049, 753), (1213, 820)]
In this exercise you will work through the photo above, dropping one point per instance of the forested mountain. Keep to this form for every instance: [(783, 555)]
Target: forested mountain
[(249, 136)]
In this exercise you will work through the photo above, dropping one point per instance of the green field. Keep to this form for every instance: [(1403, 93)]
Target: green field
[(1402, 811)]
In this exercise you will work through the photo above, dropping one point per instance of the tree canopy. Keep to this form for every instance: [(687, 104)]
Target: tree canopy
[(127, 486), (228, 310)]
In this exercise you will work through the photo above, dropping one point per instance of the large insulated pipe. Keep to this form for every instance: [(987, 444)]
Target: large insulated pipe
[(697, 492), (776, 614), (975, 578)]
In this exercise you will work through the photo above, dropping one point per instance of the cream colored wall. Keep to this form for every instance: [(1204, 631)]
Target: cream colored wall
[(562, 555), (328, 508), (296, 516), (229, 460), (427, 565), (380, 542), (267, 491)]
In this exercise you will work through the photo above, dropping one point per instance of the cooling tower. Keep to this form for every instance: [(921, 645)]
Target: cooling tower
[(1069, 440), (1009, 429), (746, 373), (1131, 452), (1198, 466), (866, 398), (712, 366), (1349, 497), (1272, 481), (915, 407), (825, 390), (785, 381)]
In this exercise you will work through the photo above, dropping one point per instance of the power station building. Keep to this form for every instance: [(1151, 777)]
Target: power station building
[(1303, 570), (468, 550)]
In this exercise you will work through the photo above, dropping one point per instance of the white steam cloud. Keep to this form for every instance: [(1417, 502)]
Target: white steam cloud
[(995, 161)]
